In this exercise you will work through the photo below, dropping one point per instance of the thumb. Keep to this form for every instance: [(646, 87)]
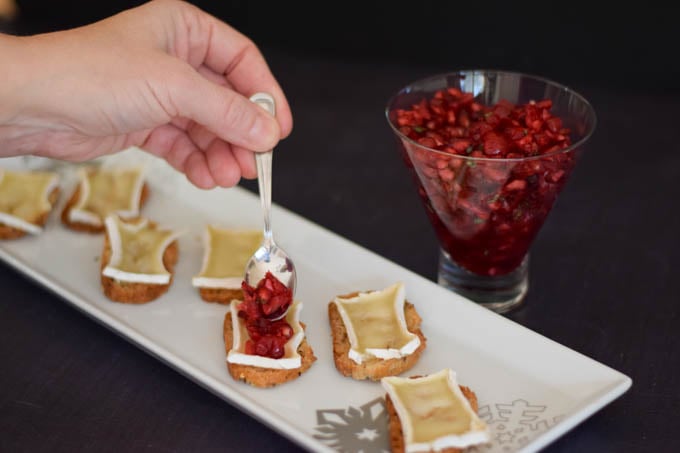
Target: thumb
[(226, 113)]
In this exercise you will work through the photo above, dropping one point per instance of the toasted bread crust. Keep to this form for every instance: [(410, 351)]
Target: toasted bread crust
[(220, 295), (136, 293), (86, 227), (265, 377), (8, 232), (373, 368), (397, 434)]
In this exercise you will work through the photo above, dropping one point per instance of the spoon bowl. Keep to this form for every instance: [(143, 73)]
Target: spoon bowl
[(269, 257)]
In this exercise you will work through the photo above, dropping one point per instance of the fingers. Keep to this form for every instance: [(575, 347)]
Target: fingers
[(222, 164), (214, 77), (205, 159), (225, 112), (246, 160), (209, 42), (173, 145), (197, 171), (205, 139), (246, 76)]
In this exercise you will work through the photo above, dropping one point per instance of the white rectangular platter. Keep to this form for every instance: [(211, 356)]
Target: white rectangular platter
[(531, 390)]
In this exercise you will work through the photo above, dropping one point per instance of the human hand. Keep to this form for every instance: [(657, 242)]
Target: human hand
[(165, 76)]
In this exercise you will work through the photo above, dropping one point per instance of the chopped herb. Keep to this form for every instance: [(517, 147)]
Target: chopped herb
[(471, 164), (478, 221), (488, 114), (419, 129), (469, 149)]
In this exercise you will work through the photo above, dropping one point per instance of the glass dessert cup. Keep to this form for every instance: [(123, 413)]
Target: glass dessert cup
[(486, 210)]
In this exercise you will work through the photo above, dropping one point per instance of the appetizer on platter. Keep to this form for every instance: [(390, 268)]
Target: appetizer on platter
[(26, 200), (432, 413), (225, 254), (261, 350), (138, 260), (375, 333), (102, 192)]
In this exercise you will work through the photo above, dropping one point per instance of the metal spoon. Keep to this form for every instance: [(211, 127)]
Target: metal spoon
[(269, 257)]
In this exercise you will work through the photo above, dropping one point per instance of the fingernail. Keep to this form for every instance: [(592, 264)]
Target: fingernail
[(264, 133)]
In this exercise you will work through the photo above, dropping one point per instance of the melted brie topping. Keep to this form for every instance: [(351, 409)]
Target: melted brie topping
[(137, 251), (434, 413), (226, 253), (376, 325), (24, 198), (290, 360), (105, 192)]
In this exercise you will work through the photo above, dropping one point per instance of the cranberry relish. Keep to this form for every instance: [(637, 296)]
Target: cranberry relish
[(487, 211), (270, 299)]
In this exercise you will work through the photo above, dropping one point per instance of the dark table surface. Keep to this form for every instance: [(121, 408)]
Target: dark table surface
[(603, 278)]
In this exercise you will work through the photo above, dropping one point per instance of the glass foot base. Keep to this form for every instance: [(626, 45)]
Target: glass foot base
[(500, 294)]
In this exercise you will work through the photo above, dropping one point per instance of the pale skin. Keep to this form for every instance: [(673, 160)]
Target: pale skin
[(165, 76)]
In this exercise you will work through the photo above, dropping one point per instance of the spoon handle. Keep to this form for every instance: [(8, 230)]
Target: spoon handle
[(264, 170)]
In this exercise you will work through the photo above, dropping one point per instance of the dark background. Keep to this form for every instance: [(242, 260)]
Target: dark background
[(604, 267), (630, 45)]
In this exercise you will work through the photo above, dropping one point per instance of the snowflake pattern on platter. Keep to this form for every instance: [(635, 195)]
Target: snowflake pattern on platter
[(354, 430), (364, 429), (515, 424)]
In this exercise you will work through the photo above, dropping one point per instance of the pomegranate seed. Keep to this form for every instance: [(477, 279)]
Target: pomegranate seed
[(446, 175), (542, 139), (403, 121), (276, 351), (261, 349), (556, 176), (427, 142), (438, 140), (517, 184), (264, 294), (456, 131), (455, 163), (429, 172), (285, 331), (515, 133), (494, 144), (502, 111), (464, 119), (461, 145)]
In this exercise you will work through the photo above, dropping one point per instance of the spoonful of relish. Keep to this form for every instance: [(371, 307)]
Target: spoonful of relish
[(269, 257)]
